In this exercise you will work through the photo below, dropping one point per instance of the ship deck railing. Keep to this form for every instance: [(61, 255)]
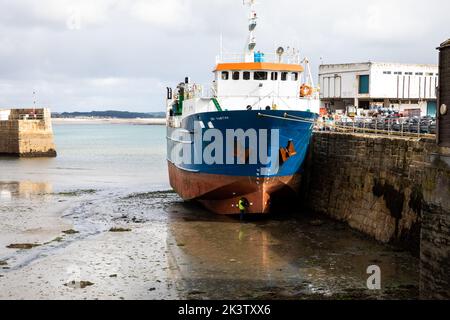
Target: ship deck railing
[(268, 57)]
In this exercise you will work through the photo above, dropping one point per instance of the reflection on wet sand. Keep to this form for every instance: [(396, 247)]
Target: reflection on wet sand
[(25, 189), (285, 257)]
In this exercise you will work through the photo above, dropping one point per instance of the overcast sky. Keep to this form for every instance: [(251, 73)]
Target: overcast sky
[(110, 54)]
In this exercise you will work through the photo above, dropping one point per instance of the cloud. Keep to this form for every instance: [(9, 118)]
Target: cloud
[(84, 54), (171, 14), (55, 14)]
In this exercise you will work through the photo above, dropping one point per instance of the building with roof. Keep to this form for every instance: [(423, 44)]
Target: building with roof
[(406, 88)]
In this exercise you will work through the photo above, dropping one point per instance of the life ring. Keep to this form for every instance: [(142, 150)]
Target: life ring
[(306, 90)]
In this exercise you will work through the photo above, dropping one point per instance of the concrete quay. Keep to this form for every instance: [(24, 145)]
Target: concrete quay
[(26, 133)]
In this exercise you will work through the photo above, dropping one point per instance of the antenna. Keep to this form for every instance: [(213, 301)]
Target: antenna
[(34, 102)]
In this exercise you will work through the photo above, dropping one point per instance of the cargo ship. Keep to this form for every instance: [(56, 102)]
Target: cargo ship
[(239, 146)]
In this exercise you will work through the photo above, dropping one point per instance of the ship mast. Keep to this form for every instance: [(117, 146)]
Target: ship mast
[(251, 42)]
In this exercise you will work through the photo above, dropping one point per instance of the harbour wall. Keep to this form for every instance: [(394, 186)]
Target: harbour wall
[(27, 133), (394, 189)]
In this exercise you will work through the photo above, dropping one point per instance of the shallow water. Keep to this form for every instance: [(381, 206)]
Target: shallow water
[(93, 156)]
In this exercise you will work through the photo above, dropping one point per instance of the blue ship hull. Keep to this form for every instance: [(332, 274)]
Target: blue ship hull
[(219, 185)]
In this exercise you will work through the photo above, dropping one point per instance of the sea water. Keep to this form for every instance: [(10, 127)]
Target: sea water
[(97, 156)]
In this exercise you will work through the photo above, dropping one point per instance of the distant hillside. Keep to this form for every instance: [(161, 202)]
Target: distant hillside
[(109, 114)]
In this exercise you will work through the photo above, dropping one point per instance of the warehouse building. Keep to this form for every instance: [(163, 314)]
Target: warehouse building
[(409, 89)]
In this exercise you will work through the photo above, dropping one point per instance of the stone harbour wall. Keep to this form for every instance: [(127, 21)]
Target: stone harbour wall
[(9, 137), (27, 137), (393, 189), (435, 239)]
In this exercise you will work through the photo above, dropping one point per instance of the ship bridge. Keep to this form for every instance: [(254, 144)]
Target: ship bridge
[(258, 84)]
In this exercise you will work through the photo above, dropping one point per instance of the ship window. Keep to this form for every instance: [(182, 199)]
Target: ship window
[(284, 76), (246, 75), (274, 76), (225, 75), (294, 76), (387, 72), (236, 75), (419, 73), (398, 73), (260, 75), (430, 74)]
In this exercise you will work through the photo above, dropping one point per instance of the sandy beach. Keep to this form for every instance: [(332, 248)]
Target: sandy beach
[(152, 121)]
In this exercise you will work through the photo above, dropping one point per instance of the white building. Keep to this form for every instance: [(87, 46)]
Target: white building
[(407, 88), (4, 115)]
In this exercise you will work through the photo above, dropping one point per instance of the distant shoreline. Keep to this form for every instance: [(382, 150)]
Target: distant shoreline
[(150, 121)]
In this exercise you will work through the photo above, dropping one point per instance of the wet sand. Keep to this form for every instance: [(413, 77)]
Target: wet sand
[(169, 249)]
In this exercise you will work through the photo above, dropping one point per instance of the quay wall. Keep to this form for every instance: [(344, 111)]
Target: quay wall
[(435, 236), (25, 136), (394, 189)]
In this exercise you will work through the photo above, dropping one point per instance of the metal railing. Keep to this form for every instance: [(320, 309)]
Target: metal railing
[(392, 127), (268, 57), (26, 117)]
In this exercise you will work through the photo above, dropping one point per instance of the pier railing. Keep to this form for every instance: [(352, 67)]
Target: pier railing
[(26, 117), (401, 127)]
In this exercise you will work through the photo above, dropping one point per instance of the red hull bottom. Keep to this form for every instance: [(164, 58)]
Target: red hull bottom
[(221, 194)]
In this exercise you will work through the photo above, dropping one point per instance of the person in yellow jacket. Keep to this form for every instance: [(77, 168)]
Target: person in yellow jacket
[(243, 204)]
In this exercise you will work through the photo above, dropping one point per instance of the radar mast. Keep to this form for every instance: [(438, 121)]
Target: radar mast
[(253, 22)]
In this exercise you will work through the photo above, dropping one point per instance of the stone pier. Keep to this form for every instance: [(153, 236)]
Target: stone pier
[(26, 133), (394, 189)]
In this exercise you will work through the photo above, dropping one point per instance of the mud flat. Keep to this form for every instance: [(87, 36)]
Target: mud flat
[(168, 249)]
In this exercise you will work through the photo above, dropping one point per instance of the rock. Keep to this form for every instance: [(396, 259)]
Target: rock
[(195, 292), (84, 284), (316, 223), (71, 231), (3, 263), (79, 284), (119, 230), (152, 289), (113, 276), (23, 246)]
